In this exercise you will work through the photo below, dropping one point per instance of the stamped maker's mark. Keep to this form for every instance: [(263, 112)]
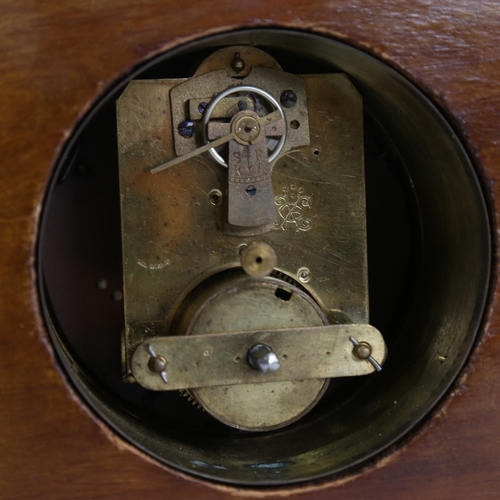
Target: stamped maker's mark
[(293, 205)]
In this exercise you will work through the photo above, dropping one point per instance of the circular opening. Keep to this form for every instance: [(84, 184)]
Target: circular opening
[(428, 267)]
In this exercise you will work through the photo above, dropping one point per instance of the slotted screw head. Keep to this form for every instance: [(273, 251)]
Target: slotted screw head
[(186, 128), (288, 99)]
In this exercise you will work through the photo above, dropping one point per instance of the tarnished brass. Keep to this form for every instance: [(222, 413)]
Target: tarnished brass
[(363, 350), (181, 245), (226, 107), (258, 260), (208, 84), (249, 188), (234, 302), (230, 134), (220, 358)]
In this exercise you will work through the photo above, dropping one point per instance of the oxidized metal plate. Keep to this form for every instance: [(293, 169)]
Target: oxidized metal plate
[(316, 352), (173, 235), (286, 173)]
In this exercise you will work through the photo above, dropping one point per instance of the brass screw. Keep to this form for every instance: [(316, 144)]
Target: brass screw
[(215, 197), (304, 275), (363, 350), (238, 64), (157, 364)]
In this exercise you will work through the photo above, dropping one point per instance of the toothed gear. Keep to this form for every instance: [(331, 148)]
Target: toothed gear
[(185, 393)]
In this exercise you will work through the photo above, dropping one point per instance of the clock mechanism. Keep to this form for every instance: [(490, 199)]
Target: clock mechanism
[(278, 227), (244, 237)]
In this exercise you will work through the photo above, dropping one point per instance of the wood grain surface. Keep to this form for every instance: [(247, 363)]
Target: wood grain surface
[(55, 59)]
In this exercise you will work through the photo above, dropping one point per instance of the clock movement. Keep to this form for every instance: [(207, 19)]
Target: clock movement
[(264, 257)]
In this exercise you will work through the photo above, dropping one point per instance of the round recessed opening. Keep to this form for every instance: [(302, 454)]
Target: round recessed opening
[(428, 264)]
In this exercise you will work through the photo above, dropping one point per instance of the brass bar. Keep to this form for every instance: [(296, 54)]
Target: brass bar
[(221, 359)]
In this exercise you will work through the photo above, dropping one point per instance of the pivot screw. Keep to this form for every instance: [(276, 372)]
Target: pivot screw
[(186, 128), (288, 99), (262, 358), (157, 364), (363, 351), (238, 64)]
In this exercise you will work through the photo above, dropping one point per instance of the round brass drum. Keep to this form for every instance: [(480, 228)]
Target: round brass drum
[(258, 305)]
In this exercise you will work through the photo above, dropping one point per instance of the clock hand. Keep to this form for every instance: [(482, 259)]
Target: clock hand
[(270, 118)]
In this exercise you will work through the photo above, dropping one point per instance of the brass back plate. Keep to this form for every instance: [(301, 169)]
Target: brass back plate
[(172, 233)]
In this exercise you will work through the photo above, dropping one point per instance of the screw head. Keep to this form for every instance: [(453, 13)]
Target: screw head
[(237, 64), (262, 358), (288, 99), (251, 190), (242, 105), (186, 128), (215, 197), (157, 364), (304, 275), (362, 351), (202, 107)]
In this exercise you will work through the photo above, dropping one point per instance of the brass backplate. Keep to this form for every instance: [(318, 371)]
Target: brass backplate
[(172, 232)]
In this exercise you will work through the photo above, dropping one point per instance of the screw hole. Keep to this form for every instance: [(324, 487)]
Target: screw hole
[(304, 275), (294, 124), (316, 152), (215, 197)]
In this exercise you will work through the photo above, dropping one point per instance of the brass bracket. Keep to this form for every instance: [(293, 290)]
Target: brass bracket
[(317, 352)]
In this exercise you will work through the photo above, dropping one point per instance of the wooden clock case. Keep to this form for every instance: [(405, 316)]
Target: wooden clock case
[(56, 60)]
